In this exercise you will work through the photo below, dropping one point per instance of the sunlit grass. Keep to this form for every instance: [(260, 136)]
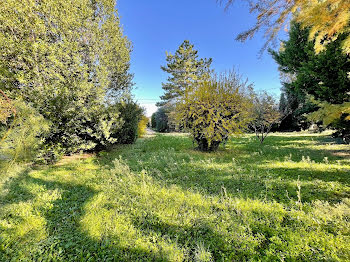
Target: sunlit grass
[(161, 200)]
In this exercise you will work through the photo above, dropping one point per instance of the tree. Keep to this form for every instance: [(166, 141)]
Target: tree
[(161, 120), (215, 108), (294, 109), (322, 77), (265, 115), (185, 69), (142, 126), (131, 115), (153, 121), (327, 19), (67, 59)]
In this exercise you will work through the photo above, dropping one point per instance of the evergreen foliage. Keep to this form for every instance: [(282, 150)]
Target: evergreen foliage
[(160, 120), (185, 69), (321, 76), (70, 60), (131, 114)]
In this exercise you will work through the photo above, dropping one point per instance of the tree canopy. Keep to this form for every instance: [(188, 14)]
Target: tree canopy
[(327, 19), (323, 75), (185, 68), (69, 60), (315, 81)]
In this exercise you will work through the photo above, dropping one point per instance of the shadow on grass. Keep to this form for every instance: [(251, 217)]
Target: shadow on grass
[(65, 241), (248, 176)]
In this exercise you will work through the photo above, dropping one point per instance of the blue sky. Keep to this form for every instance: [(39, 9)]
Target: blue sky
[(157, 26)]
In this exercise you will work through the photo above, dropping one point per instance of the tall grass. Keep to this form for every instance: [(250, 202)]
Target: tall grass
[(161, 200)]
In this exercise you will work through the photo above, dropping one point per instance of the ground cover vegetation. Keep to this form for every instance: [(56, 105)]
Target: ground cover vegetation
[(161, 200), (65, 89)]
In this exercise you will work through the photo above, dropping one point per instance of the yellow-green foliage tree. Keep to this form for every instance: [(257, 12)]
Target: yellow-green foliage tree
[(327, 19), (216, 108), (142, 126), (334, 115)]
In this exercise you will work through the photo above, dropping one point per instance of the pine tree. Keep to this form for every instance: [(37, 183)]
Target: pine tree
[(185, 69)]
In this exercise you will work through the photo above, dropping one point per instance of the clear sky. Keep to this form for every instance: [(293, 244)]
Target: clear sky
[(157, 26)]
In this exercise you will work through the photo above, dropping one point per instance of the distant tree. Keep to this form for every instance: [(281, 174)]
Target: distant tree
[(265, 114), (161, 120), (185, 69), (214, 109), (153, 121), (283, 106), (142, 126), (327, 19), (294, 109)]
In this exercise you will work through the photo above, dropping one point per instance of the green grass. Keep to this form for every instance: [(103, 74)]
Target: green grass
[(161, 200)]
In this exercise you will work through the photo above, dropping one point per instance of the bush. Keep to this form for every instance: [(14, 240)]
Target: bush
[(142, 126), (130, 113), (215, 109), (25, 138)]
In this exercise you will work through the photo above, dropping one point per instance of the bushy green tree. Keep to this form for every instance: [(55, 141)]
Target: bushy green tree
[(323, 76), (185, 69), (131, 114), (68, 59), (161, 123), (216, 108)]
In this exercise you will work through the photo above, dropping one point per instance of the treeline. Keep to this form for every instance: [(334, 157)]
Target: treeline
[(64, 67), (316, 92)]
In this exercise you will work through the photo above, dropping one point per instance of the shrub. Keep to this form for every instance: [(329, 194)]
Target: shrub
[(142, 126), (214, 109), (25, 139), (130, 113)]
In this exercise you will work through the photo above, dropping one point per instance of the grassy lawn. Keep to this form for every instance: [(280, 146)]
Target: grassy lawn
[(161, 200)]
